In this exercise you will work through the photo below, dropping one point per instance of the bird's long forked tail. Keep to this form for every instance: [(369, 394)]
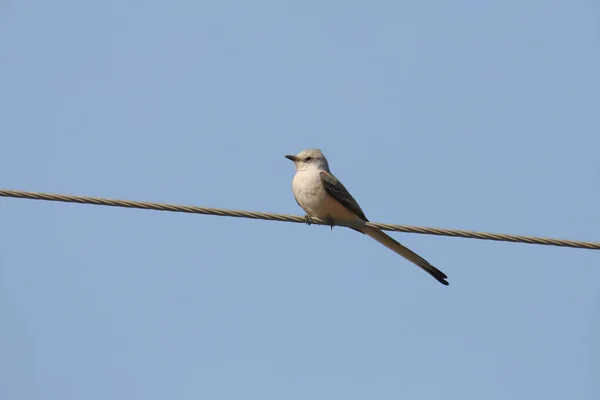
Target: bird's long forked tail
[(396, 247)]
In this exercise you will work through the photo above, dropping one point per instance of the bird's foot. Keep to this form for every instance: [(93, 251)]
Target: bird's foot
[(308, 219), (330, 221)]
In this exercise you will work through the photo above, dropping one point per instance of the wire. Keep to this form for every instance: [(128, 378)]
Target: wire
[(294, 218)]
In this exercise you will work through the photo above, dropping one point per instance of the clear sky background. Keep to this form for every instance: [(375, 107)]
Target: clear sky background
[(464, 114)]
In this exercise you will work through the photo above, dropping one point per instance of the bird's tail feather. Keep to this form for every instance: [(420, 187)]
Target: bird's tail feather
[(396, 247)]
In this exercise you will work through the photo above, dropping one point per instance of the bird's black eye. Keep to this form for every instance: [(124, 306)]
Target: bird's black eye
[(308, 159)]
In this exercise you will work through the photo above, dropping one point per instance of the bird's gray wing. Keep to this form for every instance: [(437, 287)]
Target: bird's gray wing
[(336, 190)]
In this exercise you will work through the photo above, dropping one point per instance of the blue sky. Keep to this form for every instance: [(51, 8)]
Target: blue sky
[(464, 114)]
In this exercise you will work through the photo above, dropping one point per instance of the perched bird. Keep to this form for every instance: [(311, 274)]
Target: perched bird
[(322, 195)]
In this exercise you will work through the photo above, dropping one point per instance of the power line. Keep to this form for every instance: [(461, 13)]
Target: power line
[(294, 218)]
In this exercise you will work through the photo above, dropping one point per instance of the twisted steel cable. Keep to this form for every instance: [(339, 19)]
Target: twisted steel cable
[(145, 205)]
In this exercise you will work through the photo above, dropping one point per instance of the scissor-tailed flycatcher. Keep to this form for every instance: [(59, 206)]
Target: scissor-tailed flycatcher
[(322, 196)]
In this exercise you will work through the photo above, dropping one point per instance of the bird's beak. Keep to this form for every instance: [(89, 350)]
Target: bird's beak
[(293, 158)]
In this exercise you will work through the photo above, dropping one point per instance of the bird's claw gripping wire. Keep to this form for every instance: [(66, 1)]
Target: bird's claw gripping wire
[(330, 221)]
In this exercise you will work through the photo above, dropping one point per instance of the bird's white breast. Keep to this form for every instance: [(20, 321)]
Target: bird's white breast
[(314, 199), (309, 191)]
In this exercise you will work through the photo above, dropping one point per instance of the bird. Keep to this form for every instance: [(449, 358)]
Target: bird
[(321, 195)]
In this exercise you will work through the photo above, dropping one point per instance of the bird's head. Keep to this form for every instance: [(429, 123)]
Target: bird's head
[(311, 159)]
